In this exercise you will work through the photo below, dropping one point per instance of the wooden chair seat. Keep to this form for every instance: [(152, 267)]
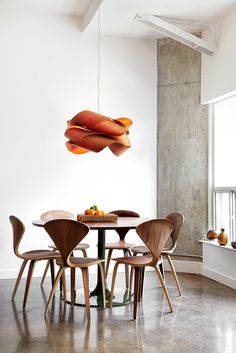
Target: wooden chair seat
[(120, 245), (80, 247), (140, 249), (40, 255), (33, 256), (80, 261), (138, 261)]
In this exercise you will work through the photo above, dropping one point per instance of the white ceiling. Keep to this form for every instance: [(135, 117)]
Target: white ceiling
[(59, 7), (117, 16)]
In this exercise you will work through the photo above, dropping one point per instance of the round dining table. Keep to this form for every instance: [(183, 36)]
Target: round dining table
[(128, 223)]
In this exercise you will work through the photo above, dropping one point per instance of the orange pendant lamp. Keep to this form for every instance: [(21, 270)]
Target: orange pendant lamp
[(89, 131)]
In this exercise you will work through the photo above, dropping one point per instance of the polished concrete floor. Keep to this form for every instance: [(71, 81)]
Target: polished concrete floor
[(204, 320)]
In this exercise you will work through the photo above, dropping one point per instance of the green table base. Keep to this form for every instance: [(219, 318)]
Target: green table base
[(121, 297)]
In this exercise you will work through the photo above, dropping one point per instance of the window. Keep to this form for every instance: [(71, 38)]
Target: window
[(224, 165)]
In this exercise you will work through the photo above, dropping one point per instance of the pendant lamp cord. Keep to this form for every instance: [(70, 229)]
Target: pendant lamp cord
[(99, 61)]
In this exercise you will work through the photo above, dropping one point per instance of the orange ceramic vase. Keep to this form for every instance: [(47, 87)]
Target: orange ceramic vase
[(211, 234), (222, 238)]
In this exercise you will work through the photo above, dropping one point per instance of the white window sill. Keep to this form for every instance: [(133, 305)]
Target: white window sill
[(215, 243)]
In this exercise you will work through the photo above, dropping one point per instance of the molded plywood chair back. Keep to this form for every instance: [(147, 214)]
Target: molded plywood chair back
[(178, 220), (56, 214), (18, 230), (66, 235), (60, 214), (125, 213), (154, 234)]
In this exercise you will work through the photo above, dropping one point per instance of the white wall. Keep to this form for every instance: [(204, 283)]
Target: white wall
[(219, 71), (48, 72)]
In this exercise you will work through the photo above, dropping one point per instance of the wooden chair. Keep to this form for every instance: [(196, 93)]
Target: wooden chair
[(33, 256), (178, 220), (121, 244), (66, 234), (60, 214), (154, 234)]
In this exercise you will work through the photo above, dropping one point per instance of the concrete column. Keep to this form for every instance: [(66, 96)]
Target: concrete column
[(182, 145)]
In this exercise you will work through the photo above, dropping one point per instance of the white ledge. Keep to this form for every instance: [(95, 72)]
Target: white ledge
[(219, 262), (215, 243)]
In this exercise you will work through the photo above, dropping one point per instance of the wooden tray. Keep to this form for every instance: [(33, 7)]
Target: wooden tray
[(106, 218)]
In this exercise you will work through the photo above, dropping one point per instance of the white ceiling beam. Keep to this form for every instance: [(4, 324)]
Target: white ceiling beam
[(177, 33), (90, 13)]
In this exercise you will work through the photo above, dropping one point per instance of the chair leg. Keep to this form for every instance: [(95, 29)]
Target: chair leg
[(126, 254), (139, 285), (161, 267), (136, 290), (58, 276), (63, 280), (173, 272), (45, 272), (164, 287), (113, 283), (19, 278), (142, 274), (103, 285), (131, 275), (28, 281), (72, 285), (131, 281), (85, 276), (52, 269), (108, 261), (84, 253)]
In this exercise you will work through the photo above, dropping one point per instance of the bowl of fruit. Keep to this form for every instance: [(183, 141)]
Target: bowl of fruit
[(95, 214), (94, 211)]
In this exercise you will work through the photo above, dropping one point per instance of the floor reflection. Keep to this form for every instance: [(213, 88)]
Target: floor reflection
[(202, 322)]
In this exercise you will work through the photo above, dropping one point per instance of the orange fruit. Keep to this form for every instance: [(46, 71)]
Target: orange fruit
[(89, 212), (99, 213)]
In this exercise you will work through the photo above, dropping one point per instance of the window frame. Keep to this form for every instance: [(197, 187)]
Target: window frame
[(212, 189)]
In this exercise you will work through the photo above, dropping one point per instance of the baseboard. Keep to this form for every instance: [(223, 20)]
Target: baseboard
[(9, 274), (185, 266), (180, 266), (219, 277)]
